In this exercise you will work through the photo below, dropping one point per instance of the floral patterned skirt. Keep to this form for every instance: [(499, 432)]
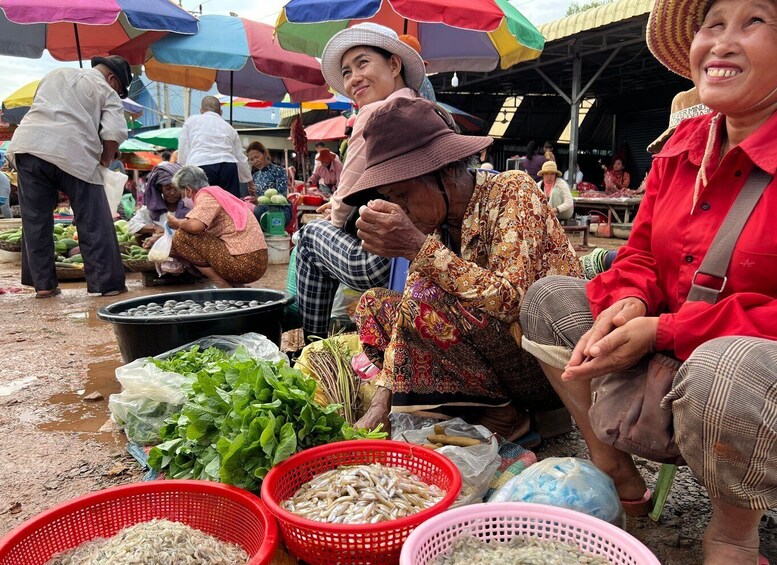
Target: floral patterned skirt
[(205, 250), (436, 352)]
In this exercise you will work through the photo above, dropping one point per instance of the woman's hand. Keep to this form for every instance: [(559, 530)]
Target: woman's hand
[(252, 188), (385, 230), (613, 317), (173, 222), (252, 199), (620, 349), (378, 412), (149, 241)]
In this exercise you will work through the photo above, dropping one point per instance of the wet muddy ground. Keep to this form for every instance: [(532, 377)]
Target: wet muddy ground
[(57, 442)]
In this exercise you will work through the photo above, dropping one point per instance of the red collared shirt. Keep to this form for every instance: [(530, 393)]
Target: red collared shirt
[(668, 243)]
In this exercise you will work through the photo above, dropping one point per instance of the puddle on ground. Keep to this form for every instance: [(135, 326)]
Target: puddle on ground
[(74, 414), (89, 318)]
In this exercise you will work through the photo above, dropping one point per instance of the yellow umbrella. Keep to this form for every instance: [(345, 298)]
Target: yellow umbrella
[(22, 97)]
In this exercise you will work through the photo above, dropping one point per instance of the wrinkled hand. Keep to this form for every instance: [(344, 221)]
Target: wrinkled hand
[(252, 188), (252, 199), (378, 412), (620, 349), (173, 222), (385, 230), (149, 241)]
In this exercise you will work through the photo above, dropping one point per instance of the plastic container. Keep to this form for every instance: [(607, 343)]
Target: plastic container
[(146, 336), (278, 249), (225, 512), (273, 222), (506, 520), (319, 543)]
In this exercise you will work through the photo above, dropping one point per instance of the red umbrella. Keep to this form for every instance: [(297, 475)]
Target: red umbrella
[(327, 130)]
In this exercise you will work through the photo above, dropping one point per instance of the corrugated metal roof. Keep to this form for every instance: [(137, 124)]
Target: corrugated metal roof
[(594, 18)]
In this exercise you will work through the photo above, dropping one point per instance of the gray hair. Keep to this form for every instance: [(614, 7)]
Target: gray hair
[(210, 104), (190, 177)]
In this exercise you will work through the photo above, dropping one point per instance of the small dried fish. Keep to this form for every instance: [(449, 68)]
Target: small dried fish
[(363, 494), (522, 550), (157, 542)]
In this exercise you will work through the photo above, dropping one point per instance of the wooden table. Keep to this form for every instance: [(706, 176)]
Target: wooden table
[(304, 209), (622, 210)]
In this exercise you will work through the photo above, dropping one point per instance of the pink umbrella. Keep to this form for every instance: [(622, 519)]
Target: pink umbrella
[(327, 130), (74, 29)]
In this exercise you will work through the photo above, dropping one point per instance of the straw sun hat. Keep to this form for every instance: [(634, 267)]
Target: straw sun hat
[(671, 27), (373, 35), (407, 138), (549, 167)]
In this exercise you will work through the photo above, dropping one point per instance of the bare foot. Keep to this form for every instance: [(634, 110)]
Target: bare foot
[(628, 482)]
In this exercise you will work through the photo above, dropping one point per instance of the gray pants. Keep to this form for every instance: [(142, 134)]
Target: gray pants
[(39, 182), (723, 399)]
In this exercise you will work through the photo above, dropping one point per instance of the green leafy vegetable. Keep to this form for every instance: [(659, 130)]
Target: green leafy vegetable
[(242, 417)]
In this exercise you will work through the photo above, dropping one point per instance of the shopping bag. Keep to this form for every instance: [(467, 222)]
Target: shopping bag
[(114, 182), (160, 251)]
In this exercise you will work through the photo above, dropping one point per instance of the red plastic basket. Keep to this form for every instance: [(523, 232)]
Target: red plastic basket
[(320, 543), (228, 513)]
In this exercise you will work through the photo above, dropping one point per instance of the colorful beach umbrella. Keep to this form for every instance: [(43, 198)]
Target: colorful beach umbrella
[(76, 29), (336, 102), (237, 54), (455, 35)]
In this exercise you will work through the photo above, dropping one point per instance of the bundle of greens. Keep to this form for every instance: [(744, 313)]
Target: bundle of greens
[(243, 416)]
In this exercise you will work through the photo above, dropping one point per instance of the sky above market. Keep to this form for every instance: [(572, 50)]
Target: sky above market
[(15, 72)]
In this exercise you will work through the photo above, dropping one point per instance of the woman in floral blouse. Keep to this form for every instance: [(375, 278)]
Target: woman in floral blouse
[(475, 245), (266, 174)]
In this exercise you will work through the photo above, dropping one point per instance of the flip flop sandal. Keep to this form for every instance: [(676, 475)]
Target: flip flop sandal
[(48, 293), (639, 507), (115, 292)]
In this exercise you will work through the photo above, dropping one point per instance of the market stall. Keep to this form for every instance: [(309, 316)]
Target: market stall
[(618, 210)]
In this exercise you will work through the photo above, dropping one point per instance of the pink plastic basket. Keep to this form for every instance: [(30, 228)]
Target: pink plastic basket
[(504, 521)]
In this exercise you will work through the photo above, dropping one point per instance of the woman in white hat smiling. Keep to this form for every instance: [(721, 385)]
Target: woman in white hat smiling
[(723, 336), (371, 65)]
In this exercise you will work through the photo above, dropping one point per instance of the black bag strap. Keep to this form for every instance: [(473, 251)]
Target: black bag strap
[(718, 257)]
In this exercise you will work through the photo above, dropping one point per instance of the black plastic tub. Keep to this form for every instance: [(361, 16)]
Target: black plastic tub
[(149, 336)]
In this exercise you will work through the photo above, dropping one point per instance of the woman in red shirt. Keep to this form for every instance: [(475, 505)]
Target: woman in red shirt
[(724, 396), (616, 178)]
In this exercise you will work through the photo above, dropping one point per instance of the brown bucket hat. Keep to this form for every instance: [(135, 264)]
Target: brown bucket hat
[(407, 138)]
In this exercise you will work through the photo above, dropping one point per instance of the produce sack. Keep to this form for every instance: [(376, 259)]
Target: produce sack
[(150, 395), (566, 482), (113, 182), (477, 463)]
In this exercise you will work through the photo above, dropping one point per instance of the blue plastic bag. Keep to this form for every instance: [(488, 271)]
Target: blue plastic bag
[(566, 482)]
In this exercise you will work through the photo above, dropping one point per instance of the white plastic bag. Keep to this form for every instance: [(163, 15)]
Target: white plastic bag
[(114, 182), (160, 251), (566, 482), (139, 220), (477, 464)]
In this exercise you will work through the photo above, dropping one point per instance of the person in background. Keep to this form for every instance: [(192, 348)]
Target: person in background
[(220, 235), (547, 150), (369, 64), (557, 190), (533, 161), (578, 175), (484, 160), (166, 155), (266, 174), (344, 143), (212, 144), (723, 397), (76, 123), (116, 164), (5, 196), (615, 177), (426, 90), (162, 197), (326, 173)]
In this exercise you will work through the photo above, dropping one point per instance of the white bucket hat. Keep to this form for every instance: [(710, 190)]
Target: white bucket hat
[(373, 35)]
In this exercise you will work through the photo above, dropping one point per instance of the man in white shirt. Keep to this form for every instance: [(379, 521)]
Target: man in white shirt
[(210, 143), (76, 122)]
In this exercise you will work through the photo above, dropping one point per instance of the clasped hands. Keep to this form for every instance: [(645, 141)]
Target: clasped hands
[(619, 338), (387, 231)]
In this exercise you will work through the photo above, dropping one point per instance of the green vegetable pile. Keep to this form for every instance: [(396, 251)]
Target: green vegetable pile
[(243, 416)]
